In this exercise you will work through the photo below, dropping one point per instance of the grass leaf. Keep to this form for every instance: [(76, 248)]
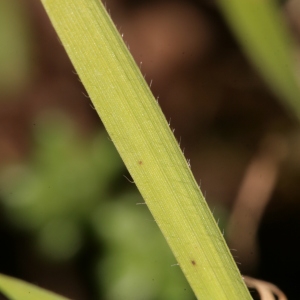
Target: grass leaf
[(15, 289), (146, 144)]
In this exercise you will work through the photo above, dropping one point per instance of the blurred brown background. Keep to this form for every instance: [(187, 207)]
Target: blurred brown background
[(242, 144)]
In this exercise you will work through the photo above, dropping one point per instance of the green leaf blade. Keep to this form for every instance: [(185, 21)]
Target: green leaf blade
[(15, 289), (146, 144)]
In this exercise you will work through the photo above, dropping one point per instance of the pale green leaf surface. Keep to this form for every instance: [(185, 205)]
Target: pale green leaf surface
[(263, 34), (15, 289), (146, 144)]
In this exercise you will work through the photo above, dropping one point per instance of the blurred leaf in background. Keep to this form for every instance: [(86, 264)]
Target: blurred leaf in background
[(262, 32), (15, 49)]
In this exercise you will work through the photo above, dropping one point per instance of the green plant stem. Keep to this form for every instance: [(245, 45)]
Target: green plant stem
[(146, 144)]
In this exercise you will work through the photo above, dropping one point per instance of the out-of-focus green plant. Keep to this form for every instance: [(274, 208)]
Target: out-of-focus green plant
[(137, 263), (66, 188), (65, 179)]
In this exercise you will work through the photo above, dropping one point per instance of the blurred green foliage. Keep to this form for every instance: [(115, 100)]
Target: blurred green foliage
[(138, 263), (68, 186), (56, 190)]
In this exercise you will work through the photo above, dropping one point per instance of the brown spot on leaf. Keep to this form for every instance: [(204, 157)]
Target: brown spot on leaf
[(193, 263), (140, 162)]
